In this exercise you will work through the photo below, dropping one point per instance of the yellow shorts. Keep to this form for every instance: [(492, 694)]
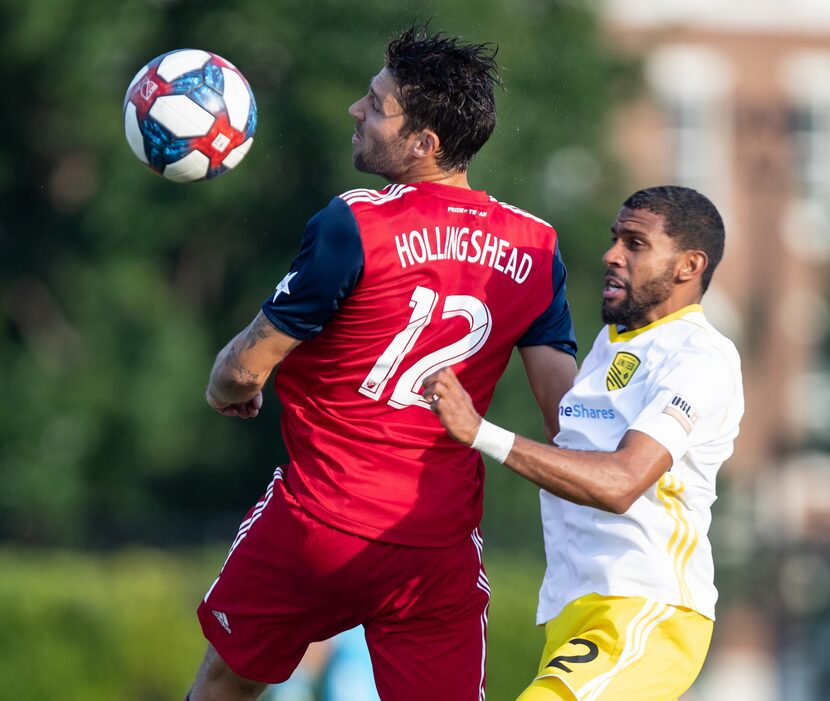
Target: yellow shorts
[(608, 648)]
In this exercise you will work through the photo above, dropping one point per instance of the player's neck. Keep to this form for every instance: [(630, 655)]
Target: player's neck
[(455, 178), (665, 310)]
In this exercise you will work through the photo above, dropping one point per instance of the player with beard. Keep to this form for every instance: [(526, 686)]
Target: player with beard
[(628, 598), (374, 520)]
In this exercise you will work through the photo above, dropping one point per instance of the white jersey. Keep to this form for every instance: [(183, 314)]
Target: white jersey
[(679, 381)]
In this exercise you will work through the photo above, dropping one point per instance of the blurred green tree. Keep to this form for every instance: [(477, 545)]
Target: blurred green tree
[(119, 287)]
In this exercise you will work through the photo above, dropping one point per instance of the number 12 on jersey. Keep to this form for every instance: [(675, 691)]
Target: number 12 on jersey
[(407, 391)]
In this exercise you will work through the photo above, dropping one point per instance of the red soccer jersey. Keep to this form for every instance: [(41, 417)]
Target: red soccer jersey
[(388, 287)]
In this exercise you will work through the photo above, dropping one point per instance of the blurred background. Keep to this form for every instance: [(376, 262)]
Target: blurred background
[(121, 490)]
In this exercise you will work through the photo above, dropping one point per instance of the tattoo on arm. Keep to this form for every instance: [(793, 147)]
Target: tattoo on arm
[(232, 380), (244, 375), (260, 329)]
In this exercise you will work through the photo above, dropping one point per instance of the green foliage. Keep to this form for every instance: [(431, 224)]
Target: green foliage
[(514, 643), (119, 287), (83, 628), (80, 627)]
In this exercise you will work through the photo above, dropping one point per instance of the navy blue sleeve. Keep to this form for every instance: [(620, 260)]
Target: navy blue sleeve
[(553, 327), (322, 275)]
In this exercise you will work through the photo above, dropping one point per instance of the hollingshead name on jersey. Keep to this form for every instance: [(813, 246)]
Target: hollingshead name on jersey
[(459, 243)]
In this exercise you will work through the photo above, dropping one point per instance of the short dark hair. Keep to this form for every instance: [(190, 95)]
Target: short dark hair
[(690, 219), (446, 86)]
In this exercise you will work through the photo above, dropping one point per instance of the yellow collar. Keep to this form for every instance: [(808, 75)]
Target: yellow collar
[(615, 336)]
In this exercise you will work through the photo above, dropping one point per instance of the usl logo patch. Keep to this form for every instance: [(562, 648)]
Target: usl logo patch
[(622, 369), (681, 409)]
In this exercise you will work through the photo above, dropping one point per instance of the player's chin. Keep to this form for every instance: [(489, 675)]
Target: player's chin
[(358, 161), (610, 311)]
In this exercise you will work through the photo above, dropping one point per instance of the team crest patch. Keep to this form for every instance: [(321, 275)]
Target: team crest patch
[(680, 409), (621, 371)]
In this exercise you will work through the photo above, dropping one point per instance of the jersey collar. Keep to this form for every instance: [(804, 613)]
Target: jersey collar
[(616, 336), (451, 192)]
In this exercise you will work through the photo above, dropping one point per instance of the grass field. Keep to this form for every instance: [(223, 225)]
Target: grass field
[(92, 627)]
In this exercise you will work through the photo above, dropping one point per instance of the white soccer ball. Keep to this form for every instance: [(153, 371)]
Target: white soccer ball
[(190, 115)]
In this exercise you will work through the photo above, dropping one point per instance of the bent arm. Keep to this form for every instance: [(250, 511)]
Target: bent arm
[(550, 373), (610, 481), (243, 366)]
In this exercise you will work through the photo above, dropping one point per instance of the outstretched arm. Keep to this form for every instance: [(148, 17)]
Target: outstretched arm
[(243, 366), (550, 373), (610, 481)]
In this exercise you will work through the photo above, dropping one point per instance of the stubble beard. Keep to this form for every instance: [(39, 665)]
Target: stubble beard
[(632, 310), (385, 160)]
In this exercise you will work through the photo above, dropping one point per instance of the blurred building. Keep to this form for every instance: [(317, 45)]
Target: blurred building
[(736, 103)]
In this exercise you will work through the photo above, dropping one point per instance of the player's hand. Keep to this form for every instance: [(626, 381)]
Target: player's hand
[(243, 410), (450, 401)]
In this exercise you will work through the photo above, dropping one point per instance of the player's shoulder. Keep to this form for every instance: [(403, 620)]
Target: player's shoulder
[(517, 212), (365, 198), (708, 362), (704, 338), (699, 347), (334, 224)]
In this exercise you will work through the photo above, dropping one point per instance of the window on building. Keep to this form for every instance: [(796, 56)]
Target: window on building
[(804, 81), (693, 84)]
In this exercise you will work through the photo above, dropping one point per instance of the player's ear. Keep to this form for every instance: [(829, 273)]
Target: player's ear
[(692, 265), (427, 144)]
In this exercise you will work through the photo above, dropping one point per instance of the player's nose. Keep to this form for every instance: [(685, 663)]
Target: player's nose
[(614, 256), (357, 110)]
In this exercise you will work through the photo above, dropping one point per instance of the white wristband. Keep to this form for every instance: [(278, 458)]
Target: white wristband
[(494, 441)]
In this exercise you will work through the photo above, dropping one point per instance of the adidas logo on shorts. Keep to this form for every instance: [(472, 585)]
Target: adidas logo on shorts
[(223, 620)]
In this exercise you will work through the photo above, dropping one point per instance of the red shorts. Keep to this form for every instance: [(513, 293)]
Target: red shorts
[(291, 579)]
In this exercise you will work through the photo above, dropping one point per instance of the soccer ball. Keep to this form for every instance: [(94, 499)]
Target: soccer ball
[(189, 115)]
